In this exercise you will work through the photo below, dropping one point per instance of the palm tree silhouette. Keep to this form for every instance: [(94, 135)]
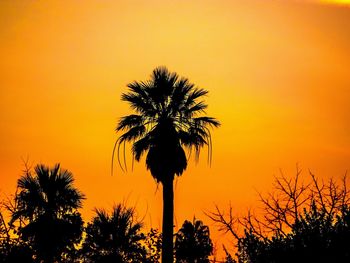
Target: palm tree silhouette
[(168, 118), (47, 203), (114, 238), (193, 243)]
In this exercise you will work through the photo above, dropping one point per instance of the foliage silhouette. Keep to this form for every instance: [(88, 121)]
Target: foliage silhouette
[(299, 223), (193, 243), (168, 118), (16, 252), (153, 245), (47, 209), (228, 257), (12, 248), (114, 238)]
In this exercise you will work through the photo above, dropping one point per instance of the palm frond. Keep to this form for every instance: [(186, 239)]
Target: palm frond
[(194, 95), (139, 88), (195, 109), (113, 153), (140, 147), (133, 133), (139, 104), (130, 121), (205, 121)]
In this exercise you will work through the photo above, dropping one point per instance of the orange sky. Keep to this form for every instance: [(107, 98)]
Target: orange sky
[(277, 73)]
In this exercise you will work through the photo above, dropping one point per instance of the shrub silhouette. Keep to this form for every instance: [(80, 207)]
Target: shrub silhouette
[(193, 243), (114, 237), (299, 223), (12, 249), (154, 246)]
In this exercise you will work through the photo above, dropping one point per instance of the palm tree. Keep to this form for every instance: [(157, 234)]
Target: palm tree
[(193, 243), (47, 204), (114, 238), (168, 119)]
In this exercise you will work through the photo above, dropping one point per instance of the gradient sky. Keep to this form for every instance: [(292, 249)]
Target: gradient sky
[(278, 75)]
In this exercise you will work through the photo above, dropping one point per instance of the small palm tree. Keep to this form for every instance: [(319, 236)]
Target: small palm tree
[(169, 117), (114, 238), (193, 243), (47, 204)]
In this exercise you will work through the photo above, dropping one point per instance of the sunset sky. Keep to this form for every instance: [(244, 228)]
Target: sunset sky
[(277, 72)]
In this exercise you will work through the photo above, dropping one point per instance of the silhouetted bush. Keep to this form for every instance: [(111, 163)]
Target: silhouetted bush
[(114, 237), (12, 248), (193, 243), (153, 244), (299, 223), (17, 252)]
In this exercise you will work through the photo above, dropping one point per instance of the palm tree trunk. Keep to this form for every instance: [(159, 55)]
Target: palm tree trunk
[(168, 220)]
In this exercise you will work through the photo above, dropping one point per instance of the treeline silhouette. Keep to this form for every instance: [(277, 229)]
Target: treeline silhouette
[(299, 222), (46, 226)]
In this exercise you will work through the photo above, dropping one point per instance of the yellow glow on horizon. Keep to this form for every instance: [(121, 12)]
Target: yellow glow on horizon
[(341, 2)]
